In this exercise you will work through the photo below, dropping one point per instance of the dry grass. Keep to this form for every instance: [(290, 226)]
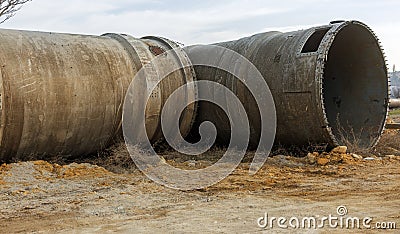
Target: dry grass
[(353, 139), (394, 112), (115, 159), (389, 143)]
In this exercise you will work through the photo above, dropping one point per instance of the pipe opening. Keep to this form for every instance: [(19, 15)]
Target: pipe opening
[(355, 87), (314, 41)]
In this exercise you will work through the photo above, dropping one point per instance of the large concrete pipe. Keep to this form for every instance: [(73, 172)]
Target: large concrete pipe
[(63, 94), (329, 84)]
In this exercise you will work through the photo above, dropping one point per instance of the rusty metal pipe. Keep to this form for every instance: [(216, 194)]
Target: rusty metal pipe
[(63, 94), (329, 83)]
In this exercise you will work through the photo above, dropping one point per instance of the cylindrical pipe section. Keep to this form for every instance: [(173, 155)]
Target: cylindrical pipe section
[(329, 83), (394, 103), (143, 52), (63, 94)]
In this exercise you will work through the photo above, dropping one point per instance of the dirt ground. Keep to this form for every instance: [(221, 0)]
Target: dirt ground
[(44, 197), (38, 196)]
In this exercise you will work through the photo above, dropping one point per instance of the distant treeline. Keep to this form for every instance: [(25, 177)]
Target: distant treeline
[(395, 78), (395, 83)]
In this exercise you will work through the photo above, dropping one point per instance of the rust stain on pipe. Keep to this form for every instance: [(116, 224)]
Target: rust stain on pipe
[(62, 94)]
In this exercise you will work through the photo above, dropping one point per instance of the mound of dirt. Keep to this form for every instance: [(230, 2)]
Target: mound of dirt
[(336, 156)]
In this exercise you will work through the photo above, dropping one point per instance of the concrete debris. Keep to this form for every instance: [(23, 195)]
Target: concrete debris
[(356, 156), (312, 157), (334, 157), (323, 161), (340, 150)]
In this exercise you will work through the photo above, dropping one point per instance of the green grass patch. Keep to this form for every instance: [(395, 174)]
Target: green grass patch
[(394, 112)]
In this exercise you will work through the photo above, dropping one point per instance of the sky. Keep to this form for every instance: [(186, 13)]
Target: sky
[(207, 21)]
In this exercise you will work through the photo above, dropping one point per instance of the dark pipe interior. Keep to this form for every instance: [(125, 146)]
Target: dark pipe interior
[(355, 87)]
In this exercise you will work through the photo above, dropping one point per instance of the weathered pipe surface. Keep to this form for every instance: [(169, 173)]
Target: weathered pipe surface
[(63, 94), (329, 83)]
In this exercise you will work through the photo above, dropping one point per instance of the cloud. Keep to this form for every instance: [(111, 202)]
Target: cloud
[(207, 21), (134, 17)]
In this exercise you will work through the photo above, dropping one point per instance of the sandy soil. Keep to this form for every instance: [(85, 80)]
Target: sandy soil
[(38, 196)]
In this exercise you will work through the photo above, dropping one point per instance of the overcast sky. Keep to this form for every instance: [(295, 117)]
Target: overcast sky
[(207, 21)]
